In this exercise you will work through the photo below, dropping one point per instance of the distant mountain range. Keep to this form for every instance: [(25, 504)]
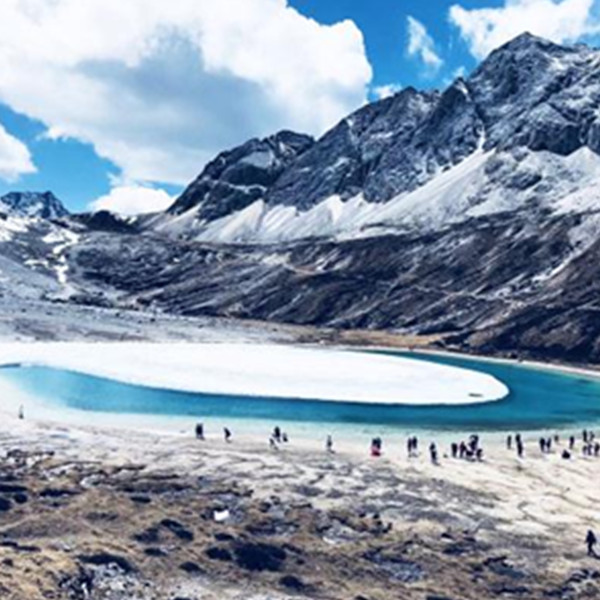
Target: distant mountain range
[(472, 214)]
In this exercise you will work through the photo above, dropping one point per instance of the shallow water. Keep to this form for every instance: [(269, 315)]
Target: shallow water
[(538, 399)]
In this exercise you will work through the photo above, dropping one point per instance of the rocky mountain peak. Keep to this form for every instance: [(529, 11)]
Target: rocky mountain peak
[(43, 205), (530, 103), (238, 177)]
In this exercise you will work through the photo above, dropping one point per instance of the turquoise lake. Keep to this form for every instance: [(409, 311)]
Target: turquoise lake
[(538, 399)]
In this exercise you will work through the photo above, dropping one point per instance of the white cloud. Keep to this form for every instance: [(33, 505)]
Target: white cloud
[(133, 200), (484, 29), (421, 45), (160, 87), (15, 158), (386, 90)]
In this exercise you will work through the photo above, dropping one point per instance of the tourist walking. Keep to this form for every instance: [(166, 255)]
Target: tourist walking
[(227, 434), (277, 434), (591, 541), (376, 444), (329, 444), (454, 449), (520, 446), (433, 453)]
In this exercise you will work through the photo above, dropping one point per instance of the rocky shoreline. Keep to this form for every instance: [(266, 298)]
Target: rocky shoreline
[(93, 514)]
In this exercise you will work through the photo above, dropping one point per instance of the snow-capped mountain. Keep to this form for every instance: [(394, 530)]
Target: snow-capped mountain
[(523, 128), (472, 215), (44, 205)]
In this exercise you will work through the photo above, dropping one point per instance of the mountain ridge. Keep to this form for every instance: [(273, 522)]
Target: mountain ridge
[(471, 214), (528, 97)]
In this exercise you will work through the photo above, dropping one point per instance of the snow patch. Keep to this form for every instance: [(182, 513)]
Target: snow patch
[(483, 184), (266, 370)]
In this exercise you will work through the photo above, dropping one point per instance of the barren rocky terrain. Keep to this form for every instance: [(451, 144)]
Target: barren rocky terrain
[(91, 514)]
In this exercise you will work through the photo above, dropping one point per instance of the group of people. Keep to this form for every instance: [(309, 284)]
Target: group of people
[(520, 446), (469, 450), (590, 446), (278, 437), (227, 435)]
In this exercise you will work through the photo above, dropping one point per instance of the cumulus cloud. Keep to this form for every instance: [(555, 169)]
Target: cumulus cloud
[(421, 45), (484, 29), (128, 200), (15, 158), (160, 87), (386, 90)]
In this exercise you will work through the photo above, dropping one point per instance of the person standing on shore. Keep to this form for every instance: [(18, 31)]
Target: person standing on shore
[(520, 447), (591, 541), (21, 412), (227, 434), (509, 442), (329, 444), (376, 444), (433, 453), (454, 449), (199, 431)]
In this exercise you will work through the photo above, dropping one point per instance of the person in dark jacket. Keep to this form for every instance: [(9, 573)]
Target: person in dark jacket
[(591, 541)]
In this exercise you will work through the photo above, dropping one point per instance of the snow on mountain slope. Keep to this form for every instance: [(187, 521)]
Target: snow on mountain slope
[(11, 225), (523, 129), (485, 183)]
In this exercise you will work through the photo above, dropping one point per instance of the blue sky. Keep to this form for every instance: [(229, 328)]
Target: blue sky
[(100, 109)]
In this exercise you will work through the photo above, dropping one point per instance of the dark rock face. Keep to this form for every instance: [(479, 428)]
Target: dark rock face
[(33, 204), (104, 220), (240, 176)]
